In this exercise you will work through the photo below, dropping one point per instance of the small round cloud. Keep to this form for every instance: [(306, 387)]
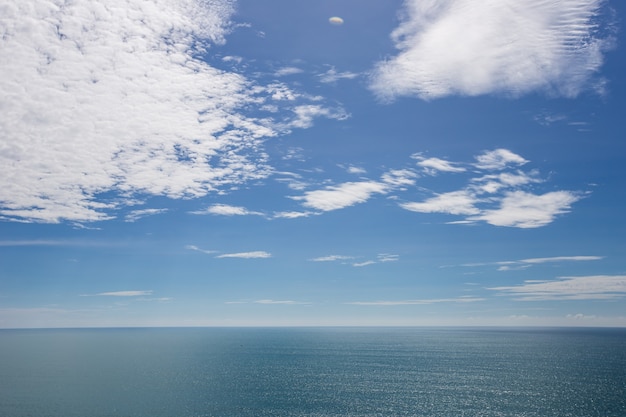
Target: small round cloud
[(335, 20)]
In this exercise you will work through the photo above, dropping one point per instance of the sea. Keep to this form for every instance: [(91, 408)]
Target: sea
[(313, 372)]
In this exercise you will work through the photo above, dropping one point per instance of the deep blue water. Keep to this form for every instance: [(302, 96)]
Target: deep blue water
[(317, 372)]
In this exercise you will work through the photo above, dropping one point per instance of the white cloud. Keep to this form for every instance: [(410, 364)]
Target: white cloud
[(103, 101), (306, 113), (399, 177), (507, 46), (561, 259), (288, 71), (292, 214), (356, 170), (246, 255), (380, 258), (341, 196), (465, 299), (388, 257), (227, 210), (595, 287), (434, 165), (526, 263), (498, 198), (285, 302), (197, 249), (493, 183), (37, 242), (124, 293), (332, 76), (135, 215), (331, 258), (361, 264), (454, 202), (498, 159), (525, 210)]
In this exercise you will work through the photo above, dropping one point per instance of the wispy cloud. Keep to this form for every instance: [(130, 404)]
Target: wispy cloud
[(561, 259), (135, 215), (242, 255), (305, 114), (380, 258), (292, 214), (507, 46), (285, 302), (227, 210), (197, 249), (37, 242), (595, 287), (434, 165), (246, 255), (120, 294), (332, 258), (466, 299), (364, 263), (332, 76), (526, 263), (288, 71), (64, 85)]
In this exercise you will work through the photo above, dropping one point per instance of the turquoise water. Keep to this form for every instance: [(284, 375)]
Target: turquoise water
[(213, 372)]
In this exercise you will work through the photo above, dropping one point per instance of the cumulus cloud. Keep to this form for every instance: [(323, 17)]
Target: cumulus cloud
[(498, 159), (103, 101), (454, 202), (498, 198), (595, 287), (340, 196), (508, 46), (525, 210), (246, 255)]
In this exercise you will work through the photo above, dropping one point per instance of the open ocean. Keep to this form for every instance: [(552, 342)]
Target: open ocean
[(313, 372)]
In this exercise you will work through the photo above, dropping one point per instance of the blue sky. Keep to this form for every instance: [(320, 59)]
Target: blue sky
[(222, 163)]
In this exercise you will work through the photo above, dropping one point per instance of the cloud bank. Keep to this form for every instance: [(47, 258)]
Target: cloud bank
[(507, 46), (103, 101)]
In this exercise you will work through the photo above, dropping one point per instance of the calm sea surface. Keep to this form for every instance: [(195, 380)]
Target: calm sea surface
[(313, 372)]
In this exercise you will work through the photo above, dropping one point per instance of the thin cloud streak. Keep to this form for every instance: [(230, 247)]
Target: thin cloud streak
[(594, 287), (418, 302), (246, 255), (120, 294)]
